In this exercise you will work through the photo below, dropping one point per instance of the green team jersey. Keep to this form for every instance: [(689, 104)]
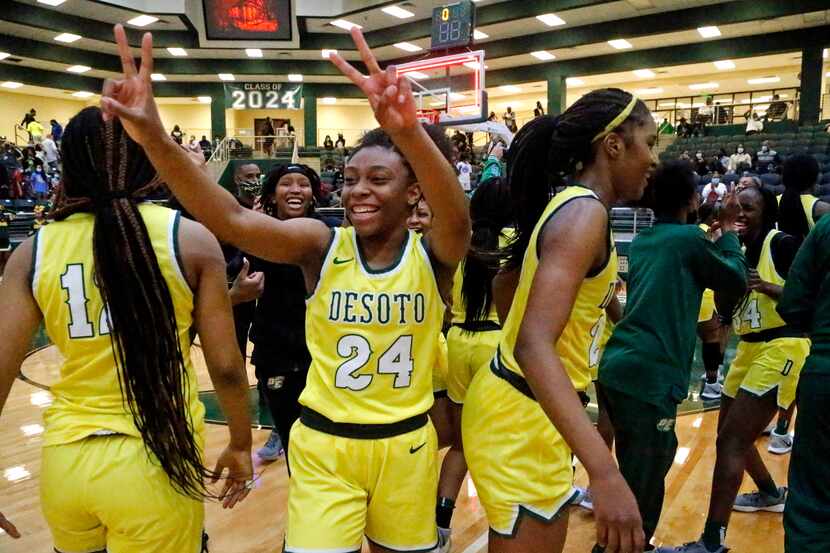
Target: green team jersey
[(650, 353), (805, 303)]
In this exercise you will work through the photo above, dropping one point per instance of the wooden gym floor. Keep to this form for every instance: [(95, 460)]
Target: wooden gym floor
[(256, 526)]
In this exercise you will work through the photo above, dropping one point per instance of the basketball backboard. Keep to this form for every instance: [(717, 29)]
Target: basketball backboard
[(449, 90)]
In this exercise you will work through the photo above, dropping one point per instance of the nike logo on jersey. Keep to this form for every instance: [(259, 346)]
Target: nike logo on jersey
[(414, 449), (338, 261)]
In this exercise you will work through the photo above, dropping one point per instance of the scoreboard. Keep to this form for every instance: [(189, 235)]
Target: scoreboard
[(452, 25)]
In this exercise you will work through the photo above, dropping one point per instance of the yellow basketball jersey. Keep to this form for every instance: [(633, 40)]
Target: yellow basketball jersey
[(579, 344), (372, 334), (459, 307), (707, 303), (758, 312), (87, 396), (808, 202)]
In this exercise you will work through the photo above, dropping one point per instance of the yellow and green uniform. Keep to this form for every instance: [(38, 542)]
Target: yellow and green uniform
[(442, 367), (808, 203), (91, 444), (707, 303), (471, 346), (770, 354), (363, 454), (518, 459)]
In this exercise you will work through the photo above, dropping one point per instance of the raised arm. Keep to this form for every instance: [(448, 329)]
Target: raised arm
[(394, 106), (570, 243), (130, 98), (17, 329)]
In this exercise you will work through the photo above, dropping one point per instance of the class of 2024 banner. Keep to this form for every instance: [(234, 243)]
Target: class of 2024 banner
[(263, 95)]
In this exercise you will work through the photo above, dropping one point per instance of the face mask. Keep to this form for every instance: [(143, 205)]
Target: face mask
[(250, 187), (765, 148), (715, 180), (740, 150), (699, 156)]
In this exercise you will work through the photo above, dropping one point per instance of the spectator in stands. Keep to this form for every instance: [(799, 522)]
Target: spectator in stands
[(665, 127), (740, 161), (714, 191), (747, 181), (193, 146), (766, 159), (685, 156), (41, 155), (777, 110), (35, 130), (704, 116), (28, 118), (509, 118), (723, 161), (799, 209), (10, 158), (57, 131), (465, 172), (754, 125), (700, 164), (38, 183), (268, 132), (30, 160), (492, 116), (684, 129), (340, 143), (328, 143), (177, 134), (50, 149), (206, 147), (540, 108)]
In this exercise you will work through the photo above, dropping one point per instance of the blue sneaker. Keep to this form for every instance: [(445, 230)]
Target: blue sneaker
[(272, 450)]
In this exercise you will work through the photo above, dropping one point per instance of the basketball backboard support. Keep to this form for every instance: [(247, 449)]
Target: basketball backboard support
[(449, 90)]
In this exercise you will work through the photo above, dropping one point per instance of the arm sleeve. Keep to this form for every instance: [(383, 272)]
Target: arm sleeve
[(721, 266), (797, 303)]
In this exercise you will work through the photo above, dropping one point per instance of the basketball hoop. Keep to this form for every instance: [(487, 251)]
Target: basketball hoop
[(430, 116)]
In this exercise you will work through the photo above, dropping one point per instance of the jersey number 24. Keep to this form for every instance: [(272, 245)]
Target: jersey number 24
[(396, 360)]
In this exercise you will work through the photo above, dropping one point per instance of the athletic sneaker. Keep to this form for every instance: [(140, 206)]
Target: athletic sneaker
[(691, 547), (583, 498), (759, 501), (444, 541), (712, 391), (768, 430), (780, 443), (272, 450)]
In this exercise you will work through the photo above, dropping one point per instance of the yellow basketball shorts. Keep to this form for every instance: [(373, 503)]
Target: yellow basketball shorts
[(344, 488), (105, 493), (761, 366), (439, 372), (519, 462), (707, 306), (468, 352)]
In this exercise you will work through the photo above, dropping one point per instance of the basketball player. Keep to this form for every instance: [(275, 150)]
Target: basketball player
[(522, 416), (762, 378), (363, 453), (805, 305), (118, 284), (645, 371), (799, 208)]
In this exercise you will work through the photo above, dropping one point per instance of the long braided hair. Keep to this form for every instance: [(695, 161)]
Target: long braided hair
[(490, 213), (549, 149), (107, 173)]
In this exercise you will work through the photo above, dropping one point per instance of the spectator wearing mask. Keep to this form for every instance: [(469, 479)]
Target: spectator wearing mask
[(714, 191), (739, 161), (50, 149), (177, 134), (766, 159), (57, 131), (754, 125), (699, 163), (509, 118)]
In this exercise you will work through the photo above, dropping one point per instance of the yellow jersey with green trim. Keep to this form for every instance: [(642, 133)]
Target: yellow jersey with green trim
[(372, 334), (579, 345), (757, 312), (87, 395), (459, 306), (808, 203)]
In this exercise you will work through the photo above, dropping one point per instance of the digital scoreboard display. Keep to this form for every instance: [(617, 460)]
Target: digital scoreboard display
[(247, 19), (453, 24)]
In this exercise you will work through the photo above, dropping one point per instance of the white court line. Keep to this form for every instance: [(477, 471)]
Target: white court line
[(476, 546)]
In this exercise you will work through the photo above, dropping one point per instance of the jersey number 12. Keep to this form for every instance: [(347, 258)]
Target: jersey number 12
[(72, 280)]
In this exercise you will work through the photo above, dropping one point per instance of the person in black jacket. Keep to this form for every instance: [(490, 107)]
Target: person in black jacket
[(280, 354)]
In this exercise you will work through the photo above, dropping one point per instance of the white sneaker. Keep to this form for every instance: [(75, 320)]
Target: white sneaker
[(584, 499), (780, 444), (444, 541), (711, 391)]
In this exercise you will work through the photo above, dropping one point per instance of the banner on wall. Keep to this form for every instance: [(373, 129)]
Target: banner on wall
[(263, 95)]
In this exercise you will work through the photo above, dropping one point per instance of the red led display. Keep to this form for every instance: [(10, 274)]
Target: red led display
[(246, 19)]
